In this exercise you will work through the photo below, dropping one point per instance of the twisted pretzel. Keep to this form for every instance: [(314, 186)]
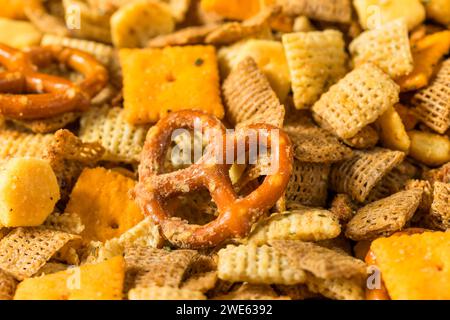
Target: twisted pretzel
[(51, 95), (236, 215), (371, 260)]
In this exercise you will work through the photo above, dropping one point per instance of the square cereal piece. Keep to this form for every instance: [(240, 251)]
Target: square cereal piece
[(327, 10), (440, 208), (316, 60), (159, 81), (407, 274), (387, 47), (100, 198), (356, 100), (15, 143), (122, 141), (432, 104), (101, 281)]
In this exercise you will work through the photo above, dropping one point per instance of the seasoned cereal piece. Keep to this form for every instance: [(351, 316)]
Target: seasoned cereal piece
[(102, 281), (316, 60), (407, 274), (356, 100), (14, 143), (100, 198), (248, 291), (440, 207), (385, 216), (164, 293), (159, 81), (182, 37), (366, 138), (327, 10), (7, 286), (343, 208), (387, 47), (245, 81)]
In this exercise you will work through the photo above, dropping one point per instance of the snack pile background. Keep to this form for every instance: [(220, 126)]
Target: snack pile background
[(360, 88)]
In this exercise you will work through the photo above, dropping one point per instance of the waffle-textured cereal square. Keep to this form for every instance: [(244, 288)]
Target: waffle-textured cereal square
[(102, 281), (159, 81), (316, 60), (387, 47), (100, 198), (407, 274)]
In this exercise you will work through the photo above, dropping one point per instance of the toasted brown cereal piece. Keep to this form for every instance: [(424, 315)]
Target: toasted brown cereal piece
[(7, 286), (327, 10), (158, 267), (231, 32), (248, 291), (269, 56), (296, 292), (429, 148), (259, 265), (339, 244), (427, 196), (202, 282), (68, 155), (321, 262), (145, 234), (373, 13), (342, 207), (314, 144), (438, 10), (122, 141), (309, 224), (50, 124), (176, 78), (385, 216), (440, 208), (25, 33), (359, 175), (102, 52), (14, 143), (407, 116), (182, 37), (139, 21), (102, 281), (441, 174), (65, 222), (164, 293), (28, 192), (316, 60), (250, 98), (432, 104), (100, 198), (356, 100), (427, 52), (366, 138), (392, 131), (339, 289), (387, 47), (308, 184), (25, 250), (392, 182), (85, 21)]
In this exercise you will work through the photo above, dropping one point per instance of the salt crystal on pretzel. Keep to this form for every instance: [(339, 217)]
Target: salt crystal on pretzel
[(387, 47), (250, 98), (25, 250), (15, 143), (385, 216), (316, 61), (7, 286), (308, 224), (164, 293), (440, 208), (259, 265), (314, 144), (356, 100), (327, 10), (360, 174), (308, 183), (122, 141), (432, 104)]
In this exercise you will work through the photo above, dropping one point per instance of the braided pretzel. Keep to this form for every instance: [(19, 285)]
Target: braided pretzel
[(371, 260), (236, 215), (52, 95)]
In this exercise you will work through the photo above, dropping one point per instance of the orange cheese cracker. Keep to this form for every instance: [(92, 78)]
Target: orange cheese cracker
[(415, 266), (233, 9), (100, 198), (102, 281), (159, 81)]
